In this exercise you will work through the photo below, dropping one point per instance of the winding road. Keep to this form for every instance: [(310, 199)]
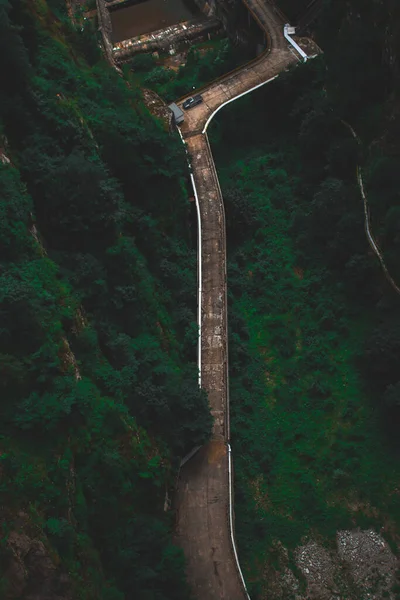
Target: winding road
[(205, 524)]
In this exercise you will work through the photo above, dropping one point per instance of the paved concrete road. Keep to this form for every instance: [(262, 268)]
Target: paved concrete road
[(203, 526), (278, 58)]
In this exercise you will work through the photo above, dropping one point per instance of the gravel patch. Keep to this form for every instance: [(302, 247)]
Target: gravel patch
[(362, 567), (371, 562)]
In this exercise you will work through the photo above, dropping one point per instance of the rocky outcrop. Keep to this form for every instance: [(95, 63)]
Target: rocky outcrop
[(237, 20), (30, 568), (157, 107), (361, 567), (207, 7)]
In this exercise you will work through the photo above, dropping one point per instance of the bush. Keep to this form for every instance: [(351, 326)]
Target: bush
[(143, 62), (158, 76)]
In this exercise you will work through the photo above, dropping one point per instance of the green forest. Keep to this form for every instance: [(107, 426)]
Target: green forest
[(98, 331), (314, 325)]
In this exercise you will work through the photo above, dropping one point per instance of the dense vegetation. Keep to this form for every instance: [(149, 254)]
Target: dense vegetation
[(97, 338), (314, 326), (202, 63), (294, 9)]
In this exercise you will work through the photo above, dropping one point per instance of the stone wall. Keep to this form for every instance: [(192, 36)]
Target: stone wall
[(163, 39), (106, 29)]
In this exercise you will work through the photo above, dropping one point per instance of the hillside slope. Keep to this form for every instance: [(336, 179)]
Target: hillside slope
[(98, 336), (314, 324)]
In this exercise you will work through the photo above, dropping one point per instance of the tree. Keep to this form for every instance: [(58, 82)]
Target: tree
[(382, 357)]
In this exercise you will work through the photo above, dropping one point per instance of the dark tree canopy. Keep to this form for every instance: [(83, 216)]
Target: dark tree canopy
[(99, 393)]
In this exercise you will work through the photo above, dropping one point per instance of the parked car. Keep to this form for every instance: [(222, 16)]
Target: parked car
[(193, 101)]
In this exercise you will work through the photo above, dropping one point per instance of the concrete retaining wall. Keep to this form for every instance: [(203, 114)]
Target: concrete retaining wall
[(106, 29), (163, 39)]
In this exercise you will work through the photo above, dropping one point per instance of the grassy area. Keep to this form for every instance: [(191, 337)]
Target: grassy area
[(202, 63)]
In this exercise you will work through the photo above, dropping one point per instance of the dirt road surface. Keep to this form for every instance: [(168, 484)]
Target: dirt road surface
[(203, 524)]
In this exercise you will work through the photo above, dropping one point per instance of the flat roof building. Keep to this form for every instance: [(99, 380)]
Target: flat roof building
[(177, 112)]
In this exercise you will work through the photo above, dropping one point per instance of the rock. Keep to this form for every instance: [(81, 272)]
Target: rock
[(31, 573), (362, 568), (318, 567), (370, 561)]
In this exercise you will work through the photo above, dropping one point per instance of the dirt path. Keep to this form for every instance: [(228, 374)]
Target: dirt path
[(367, 220), (204, 522)]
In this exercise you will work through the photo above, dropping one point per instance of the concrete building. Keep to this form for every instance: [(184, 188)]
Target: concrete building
[(177, 112)]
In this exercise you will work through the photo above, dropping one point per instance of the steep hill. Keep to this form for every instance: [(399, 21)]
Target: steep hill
[(314, 323), (98, 335)]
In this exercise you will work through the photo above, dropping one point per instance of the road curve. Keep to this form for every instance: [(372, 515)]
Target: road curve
[(204, 529)]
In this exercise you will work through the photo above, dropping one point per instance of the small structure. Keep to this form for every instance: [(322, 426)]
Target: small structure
[(177, 112)]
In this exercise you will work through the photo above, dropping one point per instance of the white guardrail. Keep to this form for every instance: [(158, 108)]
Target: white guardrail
[(199, 260), (231, 525)]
